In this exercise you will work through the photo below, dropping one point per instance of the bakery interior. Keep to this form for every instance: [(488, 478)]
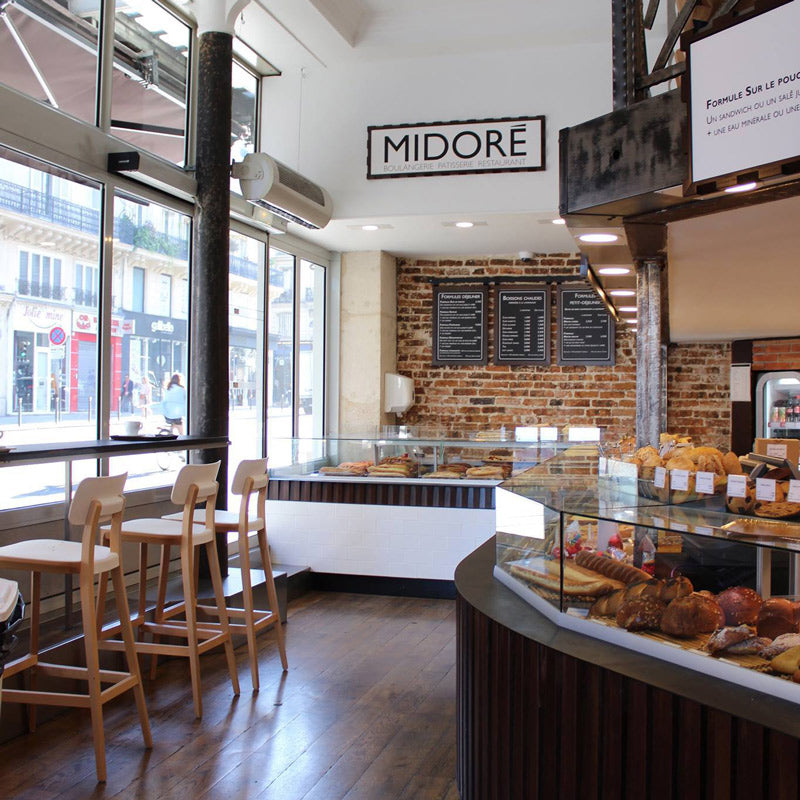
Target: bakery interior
[(602, 544)]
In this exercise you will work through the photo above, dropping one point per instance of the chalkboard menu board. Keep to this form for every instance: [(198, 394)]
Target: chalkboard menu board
[(585, 328), (522, 325), (459, 325)]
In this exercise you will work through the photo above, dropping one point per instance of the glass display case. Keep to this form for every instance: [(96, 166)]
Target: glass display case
[(406, 453), (692, 584)]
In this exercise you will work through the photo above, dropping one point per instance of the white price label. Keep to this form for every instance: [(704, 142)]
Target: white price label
[(704, 482), (765, 489), (680, 526), (679, 480), (737, 485), (602, 466), (794, 492), (776, 450), (703, 529), (660, 478)]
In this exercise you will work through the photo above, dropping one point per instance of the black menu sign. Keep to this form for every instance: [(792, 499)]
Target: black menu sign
[(585, 328), (522, 325), (459, 325)]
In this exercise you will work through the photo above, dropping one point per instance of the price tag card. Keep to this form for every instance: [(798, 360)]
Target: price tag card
[(737, 485), (703, 529), (765, 489), (777, 450), (704, 482), (679, 480), (660, 479), (794, 492), (602, 466), (680, 526)]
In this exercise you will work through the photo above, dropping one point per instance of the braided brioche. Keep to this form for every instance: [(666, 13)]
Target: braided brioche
[(610, 567)]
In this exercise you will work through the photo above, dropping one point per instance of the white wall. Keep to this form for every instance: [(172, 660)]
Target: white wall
[(315, 119)]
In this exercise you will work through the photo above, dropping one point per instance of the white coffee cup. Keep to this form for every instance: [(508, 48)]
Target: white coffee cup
[(132, 427)]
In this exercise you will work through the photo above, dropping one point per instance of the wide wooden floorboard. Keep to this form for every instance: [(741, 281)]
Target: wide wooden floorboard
[(366, 712)]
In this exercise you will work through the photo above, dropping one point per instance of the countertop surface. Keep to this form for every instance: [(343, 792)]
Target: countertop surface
[(478, 587)]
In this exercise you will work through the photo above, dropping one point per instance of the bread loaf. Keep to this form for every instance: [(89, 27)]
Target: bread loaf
[(688, 616), (777, 616), (642, 614), (740, 605), (610, 567)]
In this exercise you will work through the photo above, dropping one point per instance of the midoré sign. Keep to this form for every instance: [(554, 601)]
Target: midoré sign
[(511, 144)]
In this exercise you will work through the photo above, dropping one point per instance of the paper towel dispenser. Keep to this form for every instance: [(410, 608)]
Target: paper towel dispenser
[(398, 394)]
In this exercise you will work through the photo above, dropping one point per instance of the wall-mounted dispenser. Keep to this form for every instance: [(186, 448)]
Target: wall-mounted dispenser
[(398, 394)]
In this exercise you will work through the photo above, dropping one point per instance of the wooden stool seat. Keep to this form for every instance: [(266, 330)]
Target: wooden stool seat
[(226, 521), (96, 500), (195, 484), (55, 555), (159, 532), (250, 480)]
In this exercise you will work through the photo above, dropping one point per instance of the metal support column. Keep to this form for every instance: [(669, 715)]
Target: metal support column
[(208, 406), (651, 351), (629, 60)]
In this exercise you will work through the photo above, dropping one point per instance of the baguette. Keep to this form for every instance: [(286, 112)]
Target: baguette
[(610, 567), (577, 581)]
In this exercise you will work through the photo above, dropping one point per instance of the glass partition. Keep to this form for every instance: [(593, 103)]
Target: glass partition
[(311, 356)]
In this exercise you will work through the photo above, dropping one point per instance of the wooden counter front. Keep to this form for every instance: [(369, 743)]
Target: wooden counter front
[(545, 712)]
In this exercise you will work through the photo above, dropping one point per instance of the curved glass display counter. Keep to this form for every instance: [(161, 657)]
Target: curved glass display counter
[(690, 584)]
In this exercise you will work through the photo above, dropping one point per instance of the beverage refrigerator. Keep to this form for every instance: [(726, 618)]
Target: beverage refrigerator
[(778, 405)]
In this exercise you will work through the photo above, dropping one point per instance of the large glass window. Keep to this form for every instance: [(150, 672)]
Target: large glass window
[(246, 348), (49, 255), (149, 347), (311, 350), (37, 40), (151, 67), (280, 356), (296, 357)]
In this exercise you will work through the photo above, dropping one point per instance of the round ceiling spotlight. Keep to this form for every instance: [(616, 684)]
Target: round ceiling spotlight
[(622, 293), (598, 238), (559, 221), (369, 227), (627, 309), (464, 224), (614, 270)]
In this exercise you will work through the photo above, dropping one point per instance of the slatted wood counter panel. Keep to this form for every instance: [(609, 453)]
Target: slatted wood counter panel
[(536, 722), (387, 493)]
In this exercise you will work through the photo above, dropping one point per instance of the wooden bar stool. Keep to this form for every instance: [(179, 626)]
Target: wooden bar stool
[(195, 484), (96, 500), (250, 479)]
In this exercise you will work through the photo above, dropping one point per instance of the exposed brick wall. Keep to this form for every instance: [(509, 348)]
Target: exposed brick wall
[(463, 398), (776, 354), (698, 392)]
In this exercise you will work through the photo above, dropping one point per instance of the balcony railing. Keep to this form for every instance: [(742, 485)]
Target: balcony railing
[(45, 290), (41, 205)]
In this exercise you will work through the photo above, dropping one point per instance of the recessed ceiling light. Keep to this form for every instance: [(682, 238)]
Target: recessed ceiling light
[(559, 221), (627, 309), (464, 224), (614, 270), (632, 322), (369, 227), (635, 330), (741, 187), (622, 293), (598, 238)]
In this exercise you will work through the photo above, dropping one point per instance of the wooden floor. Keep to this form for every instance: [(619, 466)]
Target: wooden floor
[(366, 712)]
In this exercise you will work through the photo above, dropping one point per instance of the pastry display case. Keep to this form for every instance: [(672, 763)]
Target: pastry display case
[(415, 454), (692, 584)]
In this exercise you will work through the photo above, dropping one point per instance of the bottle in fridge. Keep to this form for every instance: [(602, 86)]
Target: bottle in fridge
[(778, 405)]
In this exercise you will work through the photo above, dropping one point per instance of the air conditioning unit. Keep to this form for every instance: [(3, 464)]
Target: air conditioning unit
[(283, 191)]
